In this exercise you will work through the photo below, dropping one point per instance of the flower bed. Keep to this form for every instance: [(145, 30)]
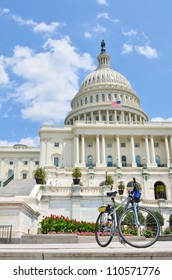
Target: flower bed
[(60, 224)]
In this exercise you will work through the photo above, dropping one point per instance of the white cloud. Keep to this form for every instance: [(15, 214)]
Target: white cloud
[(4, 11), (159, 119), (99, 28), (106, 16), (102, 2), (130, 32), (3, 74), (127, 48), (147, 51), (36, 26), (88, 35), (29, 141), (50, 78)]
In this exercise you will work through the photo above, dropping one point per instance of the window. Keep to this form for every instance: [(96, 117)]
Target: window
[(10, 173), (156, 145), (158, 160), (89, 161), (138, 160), (124, 161), (91, 99), (24, 176), (97, 118), (137, 145), (103, 97), (89, 145), (123, 145), (109, 145), (56, 144), (36, 162), (97, 98), (25, 162), (104, 118), (109, 161), (56, 161), (11, 162), (85, 100)]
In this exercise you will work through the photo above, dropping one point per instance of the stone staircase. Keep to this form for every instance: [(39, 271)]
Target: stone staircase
[(17, 187)]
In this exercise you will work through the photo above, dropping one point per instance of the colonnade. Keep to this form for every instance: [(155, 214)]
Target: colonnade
[(106, 115), (99, 152)]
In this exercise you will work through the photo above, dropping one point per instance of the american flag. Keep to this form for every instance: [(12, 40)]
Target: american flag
[(115, 104)]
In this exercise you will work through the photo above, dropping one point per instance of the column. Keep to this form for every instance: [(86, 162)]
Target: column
[(43, 153), (97, 150), (76, 150), (118, 152), (100, 116), (103, 150), (167, 151), (92, 117), (171, 147), (133, 152), (122, 116), (153, 152), (115, 117), (130, 119), (107, 116), (83, 150), (147, 150)]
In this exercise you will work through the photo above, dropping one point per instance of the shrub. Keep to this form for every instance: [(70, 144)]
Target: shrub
[(61, 224)]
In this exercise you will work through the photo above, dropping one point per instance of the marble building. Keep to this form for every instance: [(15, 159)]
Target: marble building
[(106, 132)]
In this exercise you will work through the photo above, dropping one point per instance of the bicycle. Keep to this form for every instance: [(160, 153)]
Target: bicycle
[(136, 226)]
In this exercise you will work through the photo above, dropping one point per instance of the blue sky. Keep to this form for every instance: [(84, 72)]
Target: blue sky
[(47, 47)]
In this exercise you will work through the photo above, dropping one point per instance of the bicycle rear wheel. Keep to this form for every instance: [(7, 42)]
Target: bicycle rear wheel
[(143, 236), (103, 229)]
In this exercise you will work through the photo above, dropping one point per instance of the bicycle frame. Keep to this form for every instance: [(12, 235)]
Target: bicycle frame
[(129, 200)]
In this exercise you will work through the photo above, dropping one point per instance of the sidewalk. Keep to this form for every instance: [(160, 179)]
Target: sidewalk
[(160, 250)]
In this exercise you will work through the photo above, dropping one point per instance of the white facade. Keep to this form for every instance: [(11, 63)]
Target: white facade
[(121, 142)]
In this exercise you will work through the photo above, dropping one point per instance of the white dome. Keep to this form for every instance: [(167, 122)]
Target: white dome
[(104, 75)]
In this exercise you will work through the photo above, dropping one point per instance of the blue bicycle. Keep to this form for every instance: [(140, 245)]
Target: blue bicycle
[(136, 226)]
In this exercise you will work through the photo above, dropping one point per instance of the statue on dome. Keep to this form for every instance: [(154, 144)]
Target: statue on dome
[(103, 50)]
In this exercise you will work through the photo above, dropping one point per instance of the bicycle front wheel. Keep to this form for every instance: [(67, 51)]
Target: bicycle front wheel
[(140, 236), (103, 229)]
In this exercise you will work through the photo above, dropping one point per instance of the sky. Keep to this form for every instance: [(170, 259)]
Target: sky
[(47, 48)]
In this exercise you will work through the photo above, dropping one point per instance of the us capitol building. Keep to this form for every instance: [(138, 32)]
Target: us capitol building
[(106, 133)]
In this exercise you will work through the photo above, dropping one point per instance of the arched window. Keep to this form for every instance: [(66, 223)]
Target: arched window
[(89, 161), (160, 190), (124, 161), (138, 160), (10, 173), (56, 161), (158, 160), (109, 161)]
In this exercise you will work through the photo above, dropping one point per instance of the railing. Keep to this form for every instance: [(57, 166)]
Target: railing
[(5, 233), (8, 180)]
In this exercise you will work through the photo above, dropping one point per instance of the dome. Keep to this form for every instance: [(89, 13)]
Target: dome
[(104, 73)]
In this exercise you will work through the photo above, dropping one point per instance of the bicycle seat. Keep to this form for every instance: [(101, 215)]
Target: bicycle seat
[(112, 193)]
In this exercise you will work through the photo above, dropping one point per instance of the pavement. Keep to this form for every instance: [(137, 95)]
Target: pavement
[(161, 250)]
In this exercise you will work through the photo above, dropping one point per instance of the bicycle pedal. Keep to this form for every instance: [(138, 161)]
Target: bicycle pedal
[(123, 242)]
